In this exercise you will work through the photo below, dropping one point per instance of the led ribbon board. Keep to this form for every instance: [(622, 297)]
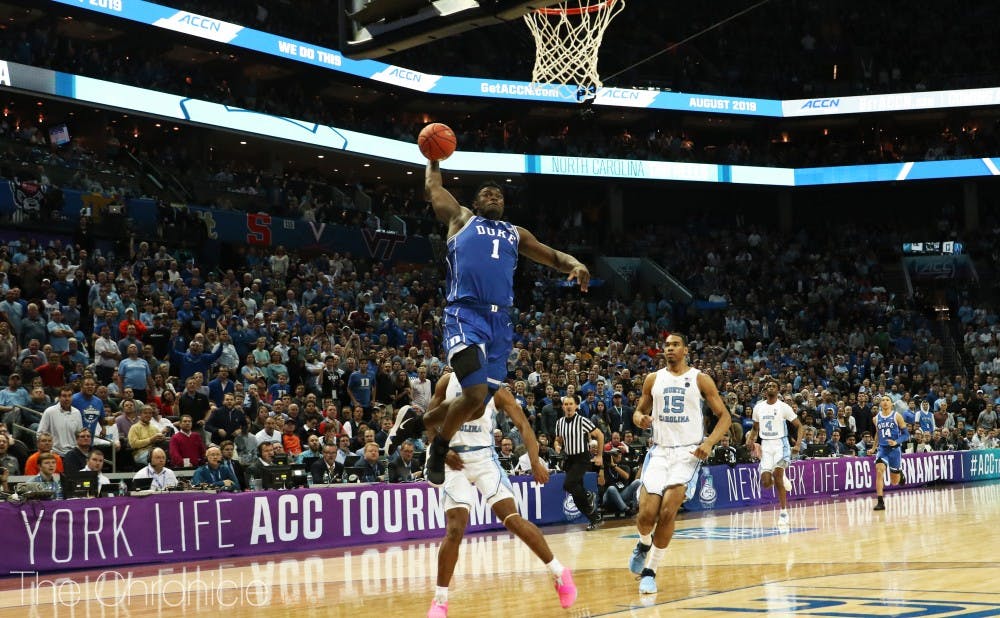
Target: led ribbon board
[(217, 116), (200, 26)]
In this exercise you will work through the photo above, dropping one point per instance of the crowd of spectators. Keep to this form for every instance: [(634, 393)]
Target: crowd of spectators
[(290, 354), (168, 363)]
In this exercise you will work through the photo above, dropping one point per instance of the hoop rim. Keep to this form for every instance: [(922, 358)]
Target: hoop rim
[(593, 8)]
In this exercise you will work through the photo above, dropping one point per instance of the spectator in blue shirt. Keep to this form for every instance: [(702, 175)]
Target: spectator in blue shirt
[(59, 333), (361, 387), (134, 373), (215, 474), (194, 361), (91, 408), (276, 391), (13, 395), (221, 385)]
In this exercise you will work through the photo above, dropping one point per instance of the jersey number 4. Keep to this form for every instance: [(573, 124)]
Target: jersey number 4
[(673, 404)]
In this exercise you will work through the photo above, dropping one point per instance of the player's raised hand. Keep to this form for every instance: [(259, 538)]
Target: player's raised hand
[(581, 275)]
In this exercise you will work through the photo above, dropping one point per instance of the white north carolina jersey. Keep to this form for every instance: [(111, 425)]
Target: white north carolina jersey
[(772, 417), (478, 432), (677, 409)]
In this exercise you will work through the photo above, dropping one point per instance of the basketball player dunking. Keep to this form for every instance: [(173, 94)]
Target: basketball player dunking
[(473, 464), (478, 335), (770, 418), (671, 404), (889, 426)]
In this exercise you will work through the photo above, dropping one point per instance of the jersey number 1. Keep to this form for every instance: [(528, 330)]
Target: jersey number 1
[(496, 249)]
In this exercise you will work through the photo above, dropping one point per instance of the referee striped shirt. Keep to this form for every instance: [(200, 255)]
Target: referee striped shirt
[(575, 434)]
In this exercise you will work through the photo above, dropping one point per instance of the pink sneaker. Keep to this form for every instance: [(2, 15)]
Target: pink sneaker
[(566, 589), (438, 610)]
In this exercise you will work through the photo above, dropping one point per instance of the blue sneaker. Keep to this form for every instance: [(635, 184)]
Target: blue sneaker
[(647, 585), (638, 560)]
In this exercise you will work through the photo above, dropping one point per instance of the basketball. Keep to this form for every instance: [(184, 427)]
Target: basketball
[(437, 141)]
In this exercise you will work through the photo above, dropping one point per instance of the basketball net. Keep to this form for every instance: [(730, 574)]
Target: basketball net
[(568, 37)]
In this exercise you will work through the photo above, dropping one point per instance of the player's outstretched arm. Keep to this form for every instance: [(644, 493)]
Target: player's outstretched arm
[(904, 433), (752, 435), (642, 416), (711, 394), (802, 434), (535, 250), (506, 402), (446, 207)]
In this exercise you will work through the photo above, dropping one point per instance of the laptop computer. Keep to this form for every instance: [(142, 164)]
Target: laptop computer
[(276, 477), (355, 474), (142, 484), (818, 450), (83, 484), (299, 477)]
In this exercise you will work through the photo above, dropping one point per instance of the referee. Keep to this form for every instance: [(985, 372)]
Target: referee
[(574, 433)]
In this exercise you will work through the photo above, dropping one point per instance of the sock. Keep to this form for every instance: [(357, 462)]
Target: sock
[(441, 595), (654, 557), (646, 539), (555, 566)]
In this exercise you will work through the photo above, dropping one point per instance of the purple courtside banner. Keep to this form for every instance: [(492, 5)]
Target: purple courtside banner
[(724, 487), (182, 527), (186, 526)]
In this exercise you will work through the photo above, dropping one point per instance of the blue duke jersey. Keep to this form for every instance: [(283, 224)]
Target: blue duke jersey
[(482, 257), (477, 432), (887, 428), (677, 409), (772, 418)]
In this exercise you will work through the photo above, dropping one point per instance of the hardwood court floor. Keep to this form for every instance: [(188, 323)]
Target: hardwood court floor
[(931, 553)]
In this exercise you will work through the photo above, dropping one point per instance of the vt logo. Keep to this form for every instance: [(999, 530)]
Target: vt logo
[(381, 245)]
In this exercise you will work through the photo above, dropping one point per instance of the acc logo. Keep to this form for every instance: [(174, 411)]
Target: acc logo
[(938, 269), (570, 512), (625, 97), (200, 26), (821, 103), (407, 78), (859, 605)]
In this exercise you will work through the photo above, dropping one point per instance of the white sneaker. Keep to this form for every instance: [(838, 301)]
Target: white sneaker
[(783, 520), (787, 483)]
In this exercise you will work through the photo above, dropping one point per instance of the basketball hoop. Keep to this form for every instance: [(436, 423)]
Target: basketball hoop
[(568, 37)]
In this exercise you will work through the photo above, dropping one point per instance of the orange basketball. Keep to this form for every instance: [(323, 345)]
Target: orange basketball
[(437, 141)]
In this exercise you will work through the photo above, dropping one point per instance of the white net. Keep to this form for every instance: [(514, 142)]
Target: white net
[(568, 38)]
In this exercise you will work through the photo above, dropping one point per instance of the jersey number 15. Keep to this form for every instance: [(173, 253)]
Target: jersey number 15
[(673, 404)]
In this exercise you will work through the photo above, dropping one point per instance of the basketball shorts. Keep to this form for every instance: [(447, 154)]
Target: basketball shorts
[(774, 454), (666, 467), (891, 456), (487, 327), (482, 472)]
